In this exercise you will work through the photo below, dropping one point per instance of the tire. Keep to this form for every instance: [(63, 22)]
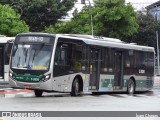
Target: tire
[(95, 93), (131, 87), (75, 88), (38, 93)]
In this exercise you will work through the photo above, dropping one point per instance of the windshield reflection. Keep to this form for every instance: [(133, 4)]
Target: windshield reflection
[(31, 57)]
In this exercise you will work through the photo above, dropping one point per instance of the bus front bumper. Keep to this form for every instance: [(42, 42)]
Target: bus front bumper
[(47, 85)]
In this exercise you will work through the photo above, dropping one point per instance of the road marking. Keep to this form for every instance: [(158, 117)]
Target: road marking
[(15, 91)]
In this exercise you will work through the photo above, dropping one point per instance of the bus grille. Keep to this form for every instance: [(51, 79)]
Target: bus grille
[(149, 83)]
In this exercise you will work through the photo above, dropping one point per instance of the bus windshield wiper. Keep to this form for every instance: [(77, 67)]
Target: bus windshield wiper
[(25, 51), (19, 60), (26, 54), (37, 51)]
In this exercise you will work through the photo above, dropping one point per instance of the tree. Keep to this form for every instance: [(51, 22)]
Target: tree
[(117, 19), (111, 18), (78, 25), (39, 14), (146, 34), (10, 22)]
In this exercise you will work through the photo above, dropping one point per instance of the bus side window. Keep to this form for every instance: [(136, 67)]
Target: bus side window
[(61, 61), (61, 55)]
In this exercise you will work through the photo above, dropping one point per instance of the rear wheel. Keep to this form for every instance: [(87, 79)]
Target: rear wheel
[(95, 93), (75, 88), (38, 93), (131, 87)]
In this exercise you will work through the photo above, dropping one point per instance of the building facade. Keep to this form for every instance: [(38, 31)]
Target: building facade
[(154, 10)]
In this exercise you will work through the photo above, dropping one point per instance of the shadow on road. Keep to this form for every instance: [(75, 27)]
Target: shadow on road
[(120, 94), (154, 92)]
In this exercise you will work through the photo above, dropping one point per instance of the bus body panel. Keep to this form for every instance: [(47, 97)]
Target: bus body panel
[(64, 83), (61, 84), (47, 86)]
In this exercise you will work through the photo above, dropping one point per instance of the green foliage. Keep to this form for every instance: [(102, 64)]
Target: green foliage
[(39, 14), (78, 25), (111, 18), (146, 34), (10, 22), (116, 19)]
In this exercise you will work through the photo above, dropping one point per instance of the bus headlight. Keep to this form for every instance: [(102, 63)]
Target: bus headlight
[(45, 78), (10, 74)]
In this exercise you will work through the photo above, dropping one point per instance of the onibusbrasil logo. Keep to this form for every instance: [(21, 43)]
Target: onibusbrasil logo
[(21, 114)]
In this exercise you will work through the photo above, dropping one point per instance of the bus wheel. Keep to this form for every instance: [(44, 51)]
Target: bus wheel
[(131, 87), (95, 93), (75, 88), (38, 93)]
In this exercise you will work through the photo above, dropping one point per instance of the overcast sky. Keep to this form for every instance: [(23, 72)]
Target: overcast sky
[(138, 4)]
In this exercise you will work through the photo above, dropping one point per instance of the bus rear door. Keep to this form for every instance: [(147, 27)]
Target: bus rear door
[(95, 57), (118, 70)]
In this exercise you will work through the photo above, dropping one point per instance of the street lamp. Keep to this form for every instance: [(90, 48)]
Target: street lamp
[(17, 5), (84, 2), (157, 42)]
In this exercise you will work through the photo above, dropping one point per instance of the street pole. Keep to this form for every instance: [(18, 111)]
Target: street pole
[(157, 51), (91, 18), (83, 2), (17, 5), (157, 43)]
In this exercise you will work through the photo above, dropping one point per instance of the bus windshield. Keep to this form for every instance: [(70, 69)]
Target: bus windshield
[(31, 56)]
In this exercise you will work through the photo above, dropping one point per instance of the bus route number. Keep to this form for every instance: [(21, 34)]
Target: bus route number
[(141, 71)]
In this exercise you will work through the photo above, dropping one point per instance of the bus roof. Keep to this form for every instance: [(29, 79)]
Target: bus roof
[(100, 41), (6, 39), (35, 33), (108, 42)]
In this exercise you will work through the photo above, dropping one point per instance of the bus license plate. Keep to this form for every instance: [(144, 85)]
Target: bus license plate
[(27, 86)]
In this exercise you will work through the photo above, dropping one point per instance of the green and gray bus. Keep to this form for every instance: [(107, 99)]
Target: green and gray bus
[(79, 63)]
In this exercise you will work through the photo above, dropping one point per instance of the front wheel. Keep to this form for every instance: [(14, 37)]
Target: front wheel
[(131, 87), (95, 93), (75, 88), (38, 93)]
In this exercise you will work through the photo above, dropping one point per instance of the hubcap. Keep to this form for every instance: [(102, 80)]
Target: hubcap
[(76, 88), (131, 87)]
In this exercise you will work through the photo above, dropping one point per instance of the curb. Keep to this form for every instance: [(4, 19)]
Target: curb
[(5, 89)]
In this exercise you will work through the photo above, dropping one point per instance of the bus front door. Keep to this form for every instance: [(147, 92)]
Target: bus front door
[(118, 70), (1, 63), (94, 68)]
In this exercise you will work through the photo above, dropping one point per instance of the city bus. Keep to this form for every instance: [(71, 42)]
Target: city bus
[(76, 64), (5, 50)]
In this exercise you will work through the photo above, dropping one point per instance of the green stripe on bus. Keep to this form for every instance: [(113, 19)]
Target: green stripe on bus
[(28, 78), (139, 83)]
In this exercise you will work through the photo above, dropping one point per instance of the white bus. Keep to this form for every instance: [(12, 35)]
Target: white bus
[(79, 63), (5, 50)]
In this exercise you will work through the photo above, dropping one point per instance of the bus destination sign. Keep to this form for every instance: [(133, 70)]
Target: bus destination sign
[(34, 39)]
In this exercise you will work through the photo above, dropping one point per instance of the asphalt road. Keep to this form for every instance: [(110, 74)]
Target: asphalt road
[(26, 101)]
